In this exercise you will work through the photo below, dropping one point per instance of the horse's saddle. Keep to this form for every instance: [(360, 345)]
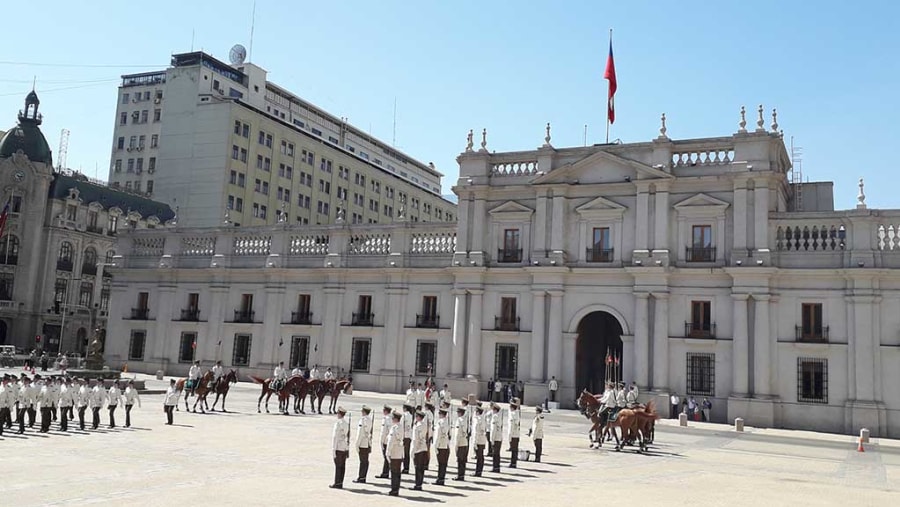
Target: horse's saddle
[(612, 415), (189, 384), (278, 385)]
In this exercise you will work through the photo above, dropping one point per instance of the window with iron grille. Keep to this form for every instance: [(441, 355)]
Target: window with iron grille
[(812, 380), (299, 352), (241, 356), (360, 354), (505, 359), (701, 374), (426, 353), (136, 347), (186, 347)]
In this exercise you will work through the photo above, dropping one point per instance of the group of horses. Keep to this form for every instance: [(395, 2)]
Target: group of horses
[(301, 388), (204, 387), (636, 424)]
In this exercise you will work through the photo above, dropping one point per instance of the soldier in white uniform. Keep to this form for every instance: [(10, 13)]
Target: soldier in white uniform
[(386, 423), (408, 421), (82, 396), (496, 436), (445, 394), (45, 400), (329, 375), (420, 448), (429, 436), (4, 402), (411, 395), (26, 403), (537, 433), (171, 401), (553, 386), (620, 396), (515, 421), (98, 398), (217, 372), (461, 434), (314, 373), (194, 376), (420, 397), (131, 395), (113, 399), (66, 400), (340, 445), (395, 451), (479, 438), (364, 443), (278, 377), (442, 444), (631, 397)]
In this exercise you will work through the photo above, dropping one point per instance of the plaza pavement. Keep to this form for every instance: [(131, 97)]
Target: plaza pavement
[(246, 459)]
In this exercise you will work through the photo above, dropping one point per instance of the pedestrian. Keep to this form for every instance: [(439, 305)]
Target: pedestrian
[(63, 364), (462, 441), (442, 445), (114, 396), (445, 394), (131, 395), (170, 401), (707, 408), (480, 438), (498, 391), (340, 445), (364, 444), (490, 388), (420, 449), (676, 402), (66, 400), (496, 436), (693, 408), (395, 452), (45, 361), (537, 433), (408, 422), (82, 399), (515, 422), (386, 423)]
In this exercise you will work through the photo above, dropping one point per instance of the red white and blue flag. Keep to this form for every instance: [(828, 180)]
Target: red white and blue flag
[(3, 217), (610, 75)]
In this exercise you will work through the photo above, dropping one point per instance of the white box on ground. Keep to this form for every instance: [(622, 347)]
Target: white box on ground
[(682, 419), (553, 405), (739, 424)]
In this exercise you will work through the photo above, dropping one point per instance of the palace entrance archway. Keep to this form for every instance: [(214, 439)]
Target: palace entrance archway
[(599, 334)]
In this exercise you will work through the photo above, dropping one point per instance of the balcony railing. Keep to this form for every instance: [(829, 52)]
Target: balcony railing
[(699, 330), (301, 317), (815, 335), (94, 229), (704, 254), (88, 269), (190, 315), (244, 316), (428, 321), (509, 255), (64, 265), (363, 319), (111, 233), (140, 313), (506, 324), (9, 260), (599, 254)]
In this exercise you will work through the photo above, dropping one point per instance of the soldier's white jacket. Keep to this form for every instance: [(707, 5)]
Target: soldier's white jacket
[(364, 433), (98, 397), (620, 399), (609, 399), (194, 372), (478, 430), (217, 371), (462, 431), (45, 397), (442, 433), (131, 395), (496, 427), (631, 397), (395, 441), (386, 423), (340, 435), (407, 425), (537, 427), (419, 437), (82, 396), (420, 398), (172, 396), (115, 394), (411, 397), (27, 395), (5, 399), (66, 396), (515, 423), (429, 424), (280, 373), (445, 395)]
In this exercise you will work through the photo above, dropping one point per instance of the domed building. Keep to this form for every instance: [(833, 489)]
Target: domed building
[(58, 230)]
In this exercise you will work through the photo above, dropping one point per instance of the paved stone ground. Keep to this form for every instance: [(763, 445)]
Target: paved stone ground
[(244, 458)]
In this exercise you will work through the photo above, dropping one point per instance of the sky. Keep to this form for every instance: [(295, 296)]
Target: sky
[(830, 68)]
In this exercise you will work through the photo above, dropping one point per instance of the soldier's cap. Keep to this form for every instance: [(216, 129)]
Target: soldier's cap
[(477, 404), (494, 406), (461, 410), (538, 410), (465, 401), (442, 411), (407, 406), (429, 404), (387, 408), (366, 409), (342, 410), (479, 410), (396, 415), (421, 414)]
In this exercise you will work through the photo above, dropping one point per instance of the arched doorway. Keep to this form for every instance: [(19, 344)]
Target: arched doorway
[(599, 334), (2, 332)]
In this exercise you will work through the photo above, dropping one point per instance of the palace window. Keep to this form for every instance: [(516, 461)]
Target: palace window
[(241, 356), (508, 319), (511, 251), (811, 328), (701, 325), (187, 347), (361, 354), (701, 374), (505, 359), (426, 355), (299, 352), (6, 286), (601, 249), (136, 347), (812, 380), (701, 249)]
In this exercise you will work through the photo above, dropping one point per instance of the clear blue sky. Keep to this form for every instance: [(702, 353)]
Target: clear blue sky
[(829, 67)]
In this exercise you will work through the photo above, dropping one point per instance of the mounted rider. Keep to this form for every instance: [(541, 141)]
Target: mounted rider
[(608, 402), (279, 376), (217, 372), (631, 397), (194, 377), (621, 402)]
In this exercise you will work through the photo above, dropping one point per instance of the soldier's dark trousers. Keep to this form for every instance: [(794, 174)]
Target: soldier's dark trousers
[(538, 447), (462, 455), (45, 419), (4, 419), (64, 419), (363, 462), (95, 423), (514, 450), (32, 414), (21, 418), (495, 454), (168, 409), (407, 442), (13, 413), (490, 448), (479, 460), (53, 412), (112, 415), (340, 466), (419, 462), (81, 411), (396, 467), (443, 456), (386, 469), (128, 415)]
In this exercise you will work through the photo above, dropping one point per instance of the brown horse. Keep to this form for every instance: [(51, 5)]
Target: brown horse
[(221, 389), (179, 386), (201, 391), (636, 424), (331, 387), (284, 394)]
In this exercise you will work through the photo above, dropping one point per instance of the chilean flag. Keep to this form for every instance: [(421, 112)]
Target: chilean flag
[(3, 217), (610, 74)]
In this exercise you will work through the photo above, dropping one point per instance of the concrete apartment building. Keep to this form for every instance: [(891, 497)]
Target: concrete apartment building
[(223, 145)]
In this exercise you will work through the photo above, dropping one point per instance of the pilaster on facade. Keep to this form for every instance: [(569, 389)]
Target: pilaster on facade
[(538, 335), (473, 344), (555, 337), (660, 380), (740, 348), (642, 339)]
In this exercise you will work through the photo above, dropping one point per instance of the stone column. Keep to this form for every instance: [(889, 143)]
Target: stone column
[(661, 342), (865, 345), (540, 226), (558, 225), (478, 221), (272, 314), (740, 219), (641, 339), (661, 231), (331, 327), (392, 345), (555, 344), (537, 336), (642, 225), (740, 348), (458, 352), (207, 346), (761, 215), (165, 314), (762, 347), (473, 347), (462, 224)]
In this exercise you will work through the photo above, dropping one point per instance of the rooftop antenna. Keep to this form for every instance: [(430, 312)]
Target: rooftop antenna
[(394, 137), (797, 175), (585, 134), (252, 26), (63, 149), (192, 40)]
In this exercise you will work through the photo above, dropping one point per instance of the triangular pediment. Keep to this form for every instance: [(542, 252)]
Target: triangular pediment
[(600, 207), (511, 207), (701, 200), (620, 169)]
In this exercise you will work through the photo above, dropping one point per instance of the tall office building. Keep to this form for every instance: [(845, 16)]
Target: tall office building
[(222, 144)]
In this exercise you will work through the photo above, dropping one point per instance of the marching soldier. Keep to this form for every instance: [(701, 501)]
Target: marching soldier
[(407, 435), (411, 394), (442, 444), (131, 395), (364, 444), (386, 423), (445, 394), (537, 433), (29, 398), (98, 397), (496, 436), (395, 453), (488, 423), (115, 395), (420, 396), (5, 400), (66, 400), (420, 449), (462, 428), (194, 375), (620, 396), (45, 400), (329, 375), (514, 430), (170, 401), (340, 443), (82, 395), (429, 426), (26, 404)]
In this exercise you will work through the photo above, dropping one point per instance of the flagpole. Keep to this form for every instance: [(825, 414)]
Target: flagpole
[(607, 95)]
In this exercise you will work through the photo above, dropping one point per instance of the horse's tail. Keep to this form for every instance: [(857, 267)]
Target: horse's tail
[(257, 380)]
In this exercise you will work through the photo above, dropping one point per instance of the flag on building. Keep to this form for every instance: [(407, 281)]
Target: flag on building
[(3, 217), (610, 75)]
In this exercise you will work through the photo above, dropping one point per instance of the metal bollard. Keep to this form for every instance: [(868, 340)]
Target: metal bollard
[(159, 374), (682, 419), (864, 435), (739, 425)]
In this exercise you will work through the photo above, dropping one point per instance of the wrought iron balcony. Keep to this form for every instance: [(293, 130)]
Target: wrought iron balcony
[(64, 265), (363, 319), (140, 313), (509, 255), (301, 317), (815, 335), (599, 254), (9, 260), (111, 233), (704, 254), (428, 321), (699, 330), (244, 316), (88, 269), (190, 315), (506, 324)]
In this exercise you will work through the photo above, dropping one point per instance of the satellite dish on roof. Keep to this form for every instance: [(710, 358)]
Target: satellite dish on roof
[(238, 54)]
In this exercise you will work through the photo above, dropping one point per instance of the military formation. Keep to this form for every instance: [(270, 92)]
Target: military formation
[(58, 399), (429, 425)]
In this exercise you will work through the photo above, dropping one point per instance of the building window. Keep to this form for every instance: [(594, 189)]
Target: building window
[(811, 328), (237, 127), (144, 115), (104, 295), (429, 316), (360, 355), (64, 261), (241, 356), (60, 288), (299, 352), (261, 139), (157, 115), (426, 356), (120, 144), (123, 119), (125, 98), (363, 315), (139, 168), (508, 320), (505, 358), (239, 205), (9, 250), (136, 347), (6, 286), (511, 251), (701, 325), (154, 141), (72, 212), (187, 347), (701, 374), (151, 164), (701, 249), (812, 380), (245, 131), (234, 152), (86, 295), (243, 155), (600, 249)]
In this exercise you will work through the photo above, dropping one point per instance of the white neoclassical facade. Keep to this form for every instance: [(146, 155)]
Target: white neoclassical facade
[(696, 262)]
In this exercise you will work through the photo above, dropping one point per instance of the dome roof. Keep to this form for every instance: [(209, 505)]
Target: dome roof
[(26, 136)]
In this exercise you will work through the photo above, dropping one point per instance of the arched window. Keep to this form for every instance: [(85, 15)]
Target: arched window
[(109, 256), (9, 250), (89, 264), (64, 262)]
